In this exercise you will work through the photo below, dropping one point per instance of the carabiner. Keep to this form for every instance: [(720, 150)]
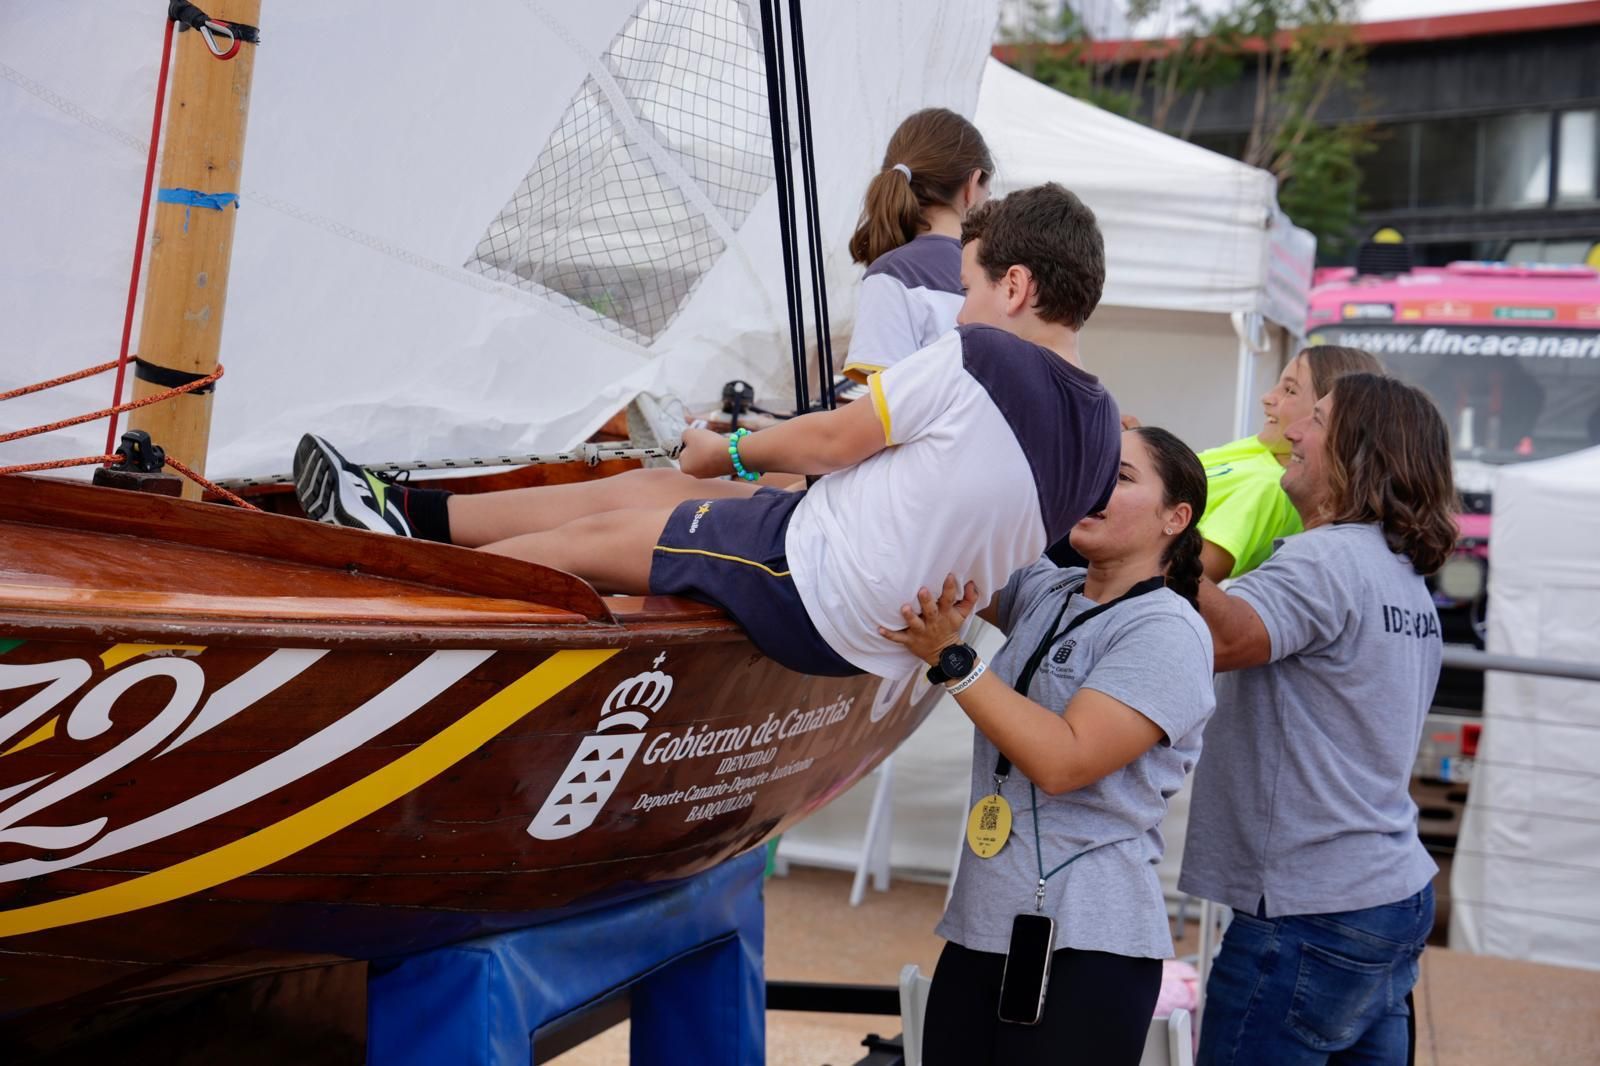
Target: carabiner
[(208, 31)]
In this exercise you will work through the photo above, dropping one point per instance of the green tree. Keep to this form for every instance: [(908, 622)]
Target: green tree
[(1050, 44), (1298, 54)]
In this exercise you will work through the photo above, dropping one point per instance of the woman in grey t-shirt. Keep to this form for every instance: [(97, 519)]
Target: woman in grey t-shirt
[(1301, 818), (1110, 723)]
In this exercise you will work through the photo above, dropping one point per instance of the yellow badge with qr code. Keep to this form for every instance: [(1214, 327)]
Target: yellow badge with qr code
[(989, 826)]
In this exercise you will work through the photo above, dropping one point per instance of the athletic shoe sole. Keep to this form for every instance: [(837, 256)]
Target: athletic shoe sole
[(334, 490)]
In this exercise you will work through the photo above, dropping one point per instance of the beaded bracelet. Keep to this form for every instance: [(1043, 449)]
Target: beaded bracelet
[(733, 453)]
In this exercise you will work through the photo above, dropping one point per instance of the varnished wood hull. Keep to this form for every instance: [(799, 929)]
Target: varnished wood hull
[(274, 793)]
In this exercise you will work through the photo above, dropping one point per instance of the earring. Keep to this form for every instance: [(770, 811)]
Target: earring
[(1169, 531)]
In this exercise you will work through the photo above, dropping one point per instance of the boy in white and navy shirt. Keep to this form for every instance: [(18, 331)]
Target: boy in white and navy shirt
[(992, 443)]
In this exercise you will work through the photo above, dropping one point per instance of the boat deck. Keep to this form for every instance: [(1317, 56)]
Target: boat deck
[(80, 560), (52, 569)]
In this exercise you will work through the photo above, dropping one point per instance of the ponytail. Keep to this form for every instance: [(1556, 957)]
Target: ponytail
[(892, 217), (1184, 481), (940, 150)]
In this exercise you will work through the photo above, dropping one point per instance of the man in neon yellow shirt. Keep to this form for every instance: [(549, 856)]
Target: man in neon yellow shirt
[(1246, 509)]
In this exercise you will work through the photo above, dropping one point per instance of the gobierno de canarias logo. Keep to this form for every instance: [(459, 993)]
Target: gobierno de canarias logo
[(597, 766)]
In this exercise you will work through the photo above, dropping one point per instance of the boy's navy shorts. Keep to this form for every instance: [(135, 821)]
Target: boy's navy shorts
[(730, 552)]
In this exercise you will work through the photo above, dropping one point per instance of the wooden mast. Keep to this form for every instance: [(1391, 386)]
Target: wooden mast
[(186, 286)]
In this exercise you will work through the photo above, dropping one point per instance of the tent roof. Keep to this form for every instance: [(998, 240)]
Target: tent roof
[(1186, 229)]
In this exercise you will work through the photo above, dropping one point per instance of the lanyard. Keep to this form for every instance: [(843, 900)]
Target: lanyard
[(1002, 765)]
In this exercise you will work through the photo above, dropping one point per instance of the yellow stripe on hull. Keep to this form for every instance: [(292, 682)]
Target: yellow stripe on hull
[(118, 654), (324, 818)]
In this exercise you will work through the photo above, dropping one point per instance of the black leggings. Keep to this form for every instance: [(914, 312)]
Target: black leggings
[(1096, 1011)]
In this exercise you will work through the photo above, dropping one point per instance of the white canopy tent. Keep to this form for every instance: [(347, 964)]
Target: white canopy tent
[(1207, 281), (1523, 879), (1206, 294), (457, 234)]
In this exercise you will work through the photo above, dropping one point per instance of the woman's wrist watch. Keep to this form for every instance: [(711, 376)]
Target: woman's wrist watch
[(956, 663)]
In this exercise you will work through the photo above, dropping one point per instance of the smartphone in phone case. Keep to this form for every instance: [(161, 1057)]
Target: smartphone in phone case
[(1027, 970)]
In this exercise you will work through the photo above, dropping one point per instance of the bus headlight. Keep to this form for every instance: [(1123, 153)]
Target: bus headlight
[(1463, 578)]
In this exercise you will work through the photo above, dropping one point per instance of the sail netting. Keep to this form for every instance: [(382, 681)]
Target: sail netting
[(455, 235), (606, 218)]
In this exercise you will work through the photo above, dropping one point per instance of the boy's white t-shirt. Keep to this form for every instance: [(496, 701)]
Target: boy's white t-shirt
[(909, 298), (997, 448)]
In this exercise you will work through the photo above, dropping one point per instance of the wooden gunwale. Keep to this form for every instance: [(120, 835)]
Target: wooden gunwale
[(67, 505), (477, 606), (224, 633)]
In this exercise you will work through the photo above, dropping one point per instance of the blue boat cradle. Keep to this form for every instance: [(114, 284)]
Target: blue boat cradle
[(690, 957)]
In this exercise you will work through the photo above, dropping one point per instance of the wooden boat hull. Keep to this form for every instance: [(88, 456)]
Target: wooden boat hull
[(188, 799)]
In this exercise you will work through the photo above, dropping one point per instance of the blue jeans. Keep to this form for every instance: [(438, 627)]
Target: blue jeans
[(1315, 989)]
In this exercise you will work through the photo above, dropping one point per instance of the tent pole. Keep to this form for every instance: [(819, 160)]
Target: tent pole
[(1254, 339), (186, 286)]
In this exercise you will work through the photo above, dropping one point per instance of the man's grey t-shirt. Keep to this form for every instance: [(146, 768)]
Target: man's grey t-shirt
[(1302, 799), (1152, 653)]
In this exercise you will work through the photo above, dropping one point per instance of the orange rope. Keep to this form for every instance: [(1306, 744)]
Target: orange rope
[(209, 486), (53, 382), (132, 405), (56, 464)]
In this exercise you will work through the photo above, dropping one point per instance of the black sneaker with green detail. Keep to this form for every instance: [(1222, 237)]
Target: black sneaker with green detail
[(332, 489)]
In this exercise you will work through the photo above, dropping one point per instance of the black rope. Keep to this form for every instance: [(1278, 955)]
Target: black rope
[(167, 377), (778, 112), (808, 181), (189, 17)]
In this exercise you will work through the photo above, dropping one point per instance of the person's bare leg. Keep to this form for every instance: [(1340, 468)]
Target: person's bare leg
[(612, 551), (481, 519)]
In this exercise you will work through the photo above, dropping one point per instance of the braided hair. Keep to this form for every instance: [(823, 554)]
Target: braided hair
[(1183, 480)]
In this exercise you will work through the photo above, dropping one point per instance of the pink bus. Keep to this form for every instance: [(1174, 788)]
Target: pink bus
[(1510, 353)]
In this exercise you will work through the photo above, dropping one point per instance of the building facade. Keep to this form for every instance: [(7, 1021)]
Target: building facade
[(1485, 131)]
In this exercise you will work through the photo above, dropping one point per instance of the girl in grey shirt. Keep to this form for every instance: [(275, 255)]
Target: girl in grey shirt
[(1118, 692), (1302, 821)]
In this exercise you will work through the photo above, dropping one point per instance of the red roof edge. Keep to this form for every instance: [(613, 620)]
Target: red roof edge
[(1371, 34)]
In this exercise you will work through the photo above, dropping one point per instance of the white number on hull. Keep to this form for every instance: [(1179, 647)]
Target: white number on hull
[(417, 687), (89, 719)]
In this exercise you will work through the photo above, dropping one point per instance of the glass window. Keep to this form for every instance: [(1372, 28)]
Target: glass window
[(1516, 160), (1578, 178), (1231, 145), (1541, 251), (1386, 170), (1508, 394), (1447, 163)]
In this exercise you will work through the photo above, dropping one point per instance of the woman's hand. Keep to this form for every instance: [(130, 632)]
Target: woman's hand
[(704, 454), (938, 624), (1130, 422)]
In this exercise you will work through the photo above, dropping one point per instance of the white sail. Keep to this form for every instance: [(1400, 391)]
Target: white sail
[(460, 229)]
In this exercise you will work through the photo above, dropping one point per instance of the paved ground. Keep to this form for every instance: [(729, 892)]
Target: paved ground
[(1474, 1010)]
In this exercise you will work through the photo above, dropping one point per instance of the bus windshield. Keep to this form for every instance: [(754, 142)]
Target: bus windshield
[(1508, 394)]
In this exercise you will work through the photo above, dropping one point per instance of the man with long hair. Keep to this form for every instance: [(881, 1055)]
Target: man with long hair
[(1302, 820)]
